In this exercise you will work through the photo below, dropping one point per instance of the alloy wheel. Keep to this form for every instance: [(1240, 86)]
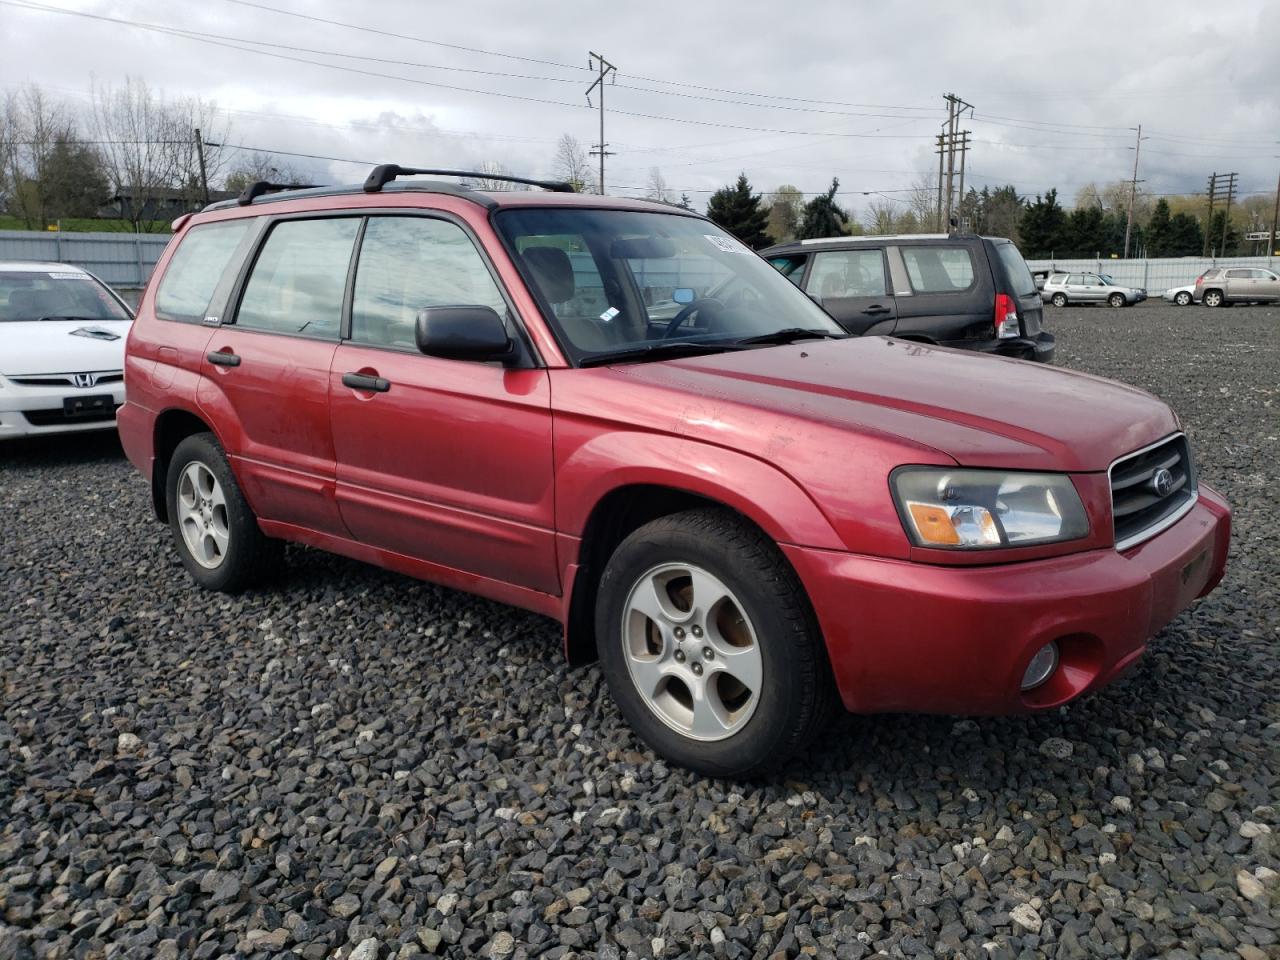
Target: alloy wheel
[(691, 651), (202, 515)]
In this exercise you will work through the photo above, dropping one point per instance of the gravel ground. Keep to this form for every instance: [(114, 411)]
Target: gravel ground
[(359, 765)]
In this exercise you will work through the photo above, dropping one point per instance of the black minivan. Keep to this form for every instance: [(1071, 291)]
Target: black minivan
[(956, 290)]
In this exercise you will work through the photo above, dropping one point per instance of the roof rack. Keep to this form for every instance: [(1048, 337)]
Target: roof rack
[(383, 174), (259, 187)]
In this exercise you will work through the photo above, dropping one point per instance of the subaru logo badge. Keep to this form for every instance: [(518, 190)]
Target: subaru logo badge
[(88, 380), (1162, 482)]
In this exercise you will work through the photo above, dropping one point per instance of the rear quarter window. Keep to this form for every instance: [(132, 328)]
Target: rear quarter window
[(1016, 270), (939, 269), (203, 255)]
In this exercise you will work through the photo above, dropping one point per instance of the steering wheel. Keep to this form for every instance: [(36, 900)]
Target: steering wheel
[(702, 303)]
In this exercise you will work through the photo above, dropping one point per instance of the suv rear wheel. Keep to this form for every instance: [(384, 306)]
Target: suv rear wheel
[(216, 533), (709, 646), (1212, 298), (1059, 300)]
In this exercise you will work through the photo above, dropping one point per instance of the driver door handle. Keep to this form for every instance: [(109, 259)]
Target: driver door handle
[(876, 308), (359, 381)]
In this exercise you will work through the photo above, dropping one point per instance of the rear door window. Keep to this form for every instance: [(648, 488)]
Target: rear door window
[(939, 269), (299, 278), (840, 274), (200, 261)]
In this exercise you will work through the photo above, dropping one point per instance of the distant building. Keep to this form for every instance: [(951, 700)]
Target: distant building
[(161, 204)]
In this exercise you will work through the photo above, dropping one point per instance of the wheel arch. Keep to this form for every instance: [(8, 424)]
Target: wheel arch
[(172, 426)]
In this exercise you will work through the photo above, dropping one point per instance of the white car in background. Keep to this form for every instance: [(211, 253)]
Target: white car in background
[(1183, 296), (62, 334)]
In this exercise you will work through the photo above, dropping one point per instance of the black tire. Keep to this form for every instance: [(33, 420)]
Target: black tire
[(251, 557), (1058, 299), (1213, 298), (1182, 299), (797, 696), (1117, 300)]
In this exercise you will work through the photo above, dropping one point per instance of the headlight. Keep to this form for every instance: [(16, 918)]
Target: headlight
[(986, 509)]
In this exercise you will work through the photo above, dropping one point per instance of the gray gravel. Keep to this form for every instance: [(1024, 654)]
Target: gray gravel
[(357, 765)]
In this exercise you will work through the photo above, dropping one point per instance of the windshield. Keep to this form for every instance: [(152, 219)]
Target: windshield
[(50, 295), (618, 282)]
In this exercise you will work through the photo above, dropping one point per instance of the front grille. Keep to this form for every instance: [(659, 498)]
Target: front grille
[(56, 418), (1138, 508), (66, 380)]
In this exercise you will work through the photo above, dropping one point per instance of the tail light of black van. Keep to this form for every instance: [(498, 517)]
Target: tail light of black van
[(1006, 317)]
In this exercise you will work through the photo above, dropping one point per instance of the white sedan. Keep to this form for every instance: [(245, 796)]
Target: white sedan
[(1182, 296), (62, 334)]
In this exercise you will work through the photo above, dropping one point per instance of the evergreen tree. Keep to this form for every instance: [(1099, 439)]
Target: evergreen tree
[(1160, 230), (823, 217), (685, 203), (1217, 247), (739, 211), (1042, 229), (1085, 234), (1186, 239)]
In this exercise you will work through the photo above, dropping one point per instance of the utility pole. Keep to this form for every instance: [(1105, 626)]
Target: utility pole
[(597, 62), (1271, 247), (1226, 221), (1133, 192), (204, 176), (941, 140), (1208, 224), (964, 151), (955, 108)]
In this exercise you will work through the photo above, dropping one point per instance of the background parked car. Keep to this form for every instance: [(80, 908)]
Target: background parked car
[(1183, 296), (1063, 288), (956, 291), (62, 334), (1224, 286)]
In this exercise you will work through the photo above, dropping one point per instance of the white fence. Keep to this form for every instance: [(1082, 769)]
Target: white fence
[(1154, 276), (122, 260)]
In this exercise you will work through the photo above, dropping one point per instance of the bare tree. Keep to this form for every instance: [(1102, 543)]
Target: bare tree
[(150, 149), (488, 172), (656, 188), (922, 199), (786, 207), (570, 164), (36, 124), (253, 166), (9, 136), (880, 217)]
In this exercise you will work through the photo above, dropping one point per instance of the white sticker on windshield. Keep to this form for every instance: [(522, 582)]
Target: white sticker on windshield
[(609, 314), (67, 276), (725, 245)]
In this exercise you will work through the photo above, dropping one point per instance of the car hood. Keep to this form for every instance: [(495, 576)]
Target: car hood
[(29, 347), (980, 410)]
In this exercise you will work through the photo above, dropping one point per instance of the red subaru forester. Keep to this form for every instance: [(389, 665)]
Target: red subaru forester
[(613, 413)]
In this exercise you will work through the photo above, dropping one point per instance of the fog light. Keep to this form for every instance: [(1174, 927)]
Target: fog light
[(1041, 666)]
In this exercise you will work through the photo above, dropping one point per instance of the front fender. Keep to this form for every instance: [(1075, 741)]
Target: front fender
[(587, 472)]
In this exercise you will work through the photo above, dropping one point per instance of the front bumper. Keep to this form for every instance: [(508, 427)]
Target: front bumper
[(38, 410), (1041, 347), (920, 638)]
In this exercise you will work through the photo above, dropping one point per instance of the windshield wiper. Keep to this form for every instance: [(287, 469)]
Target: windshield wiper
[(663, 350), (789, 335)]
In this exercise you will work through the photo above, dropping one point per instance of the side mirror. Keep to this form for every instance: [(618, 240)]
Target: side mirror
[(684, 295), (462, 333)]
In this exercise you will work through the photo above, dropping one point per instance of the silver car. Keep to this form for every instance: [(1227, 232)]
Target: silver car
[(1183, 296), (1223, 286), (1063, 288)]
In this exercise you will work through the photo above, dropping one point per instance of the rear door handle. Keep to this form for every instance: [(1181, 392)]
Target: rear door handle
[(224, 358), (876, 308), (360, 381)]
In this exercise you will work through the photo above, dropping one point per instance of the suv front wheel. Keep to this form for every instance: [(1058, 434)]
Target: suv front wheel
[(709, 646), (216, 533)]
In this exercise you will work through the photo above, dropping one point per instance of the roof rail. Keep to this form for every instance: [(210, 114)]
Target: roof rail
[(384, 173), (259, 187)]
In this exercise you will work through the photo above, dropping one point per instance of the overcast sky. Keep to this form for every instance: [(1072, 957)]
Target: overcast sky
[(790, 93)]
